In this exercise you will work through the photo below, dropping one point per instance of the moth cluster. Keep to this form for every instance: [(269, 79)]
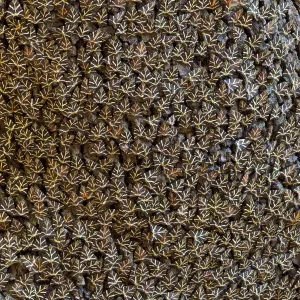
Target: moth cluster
[(149, 149)]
